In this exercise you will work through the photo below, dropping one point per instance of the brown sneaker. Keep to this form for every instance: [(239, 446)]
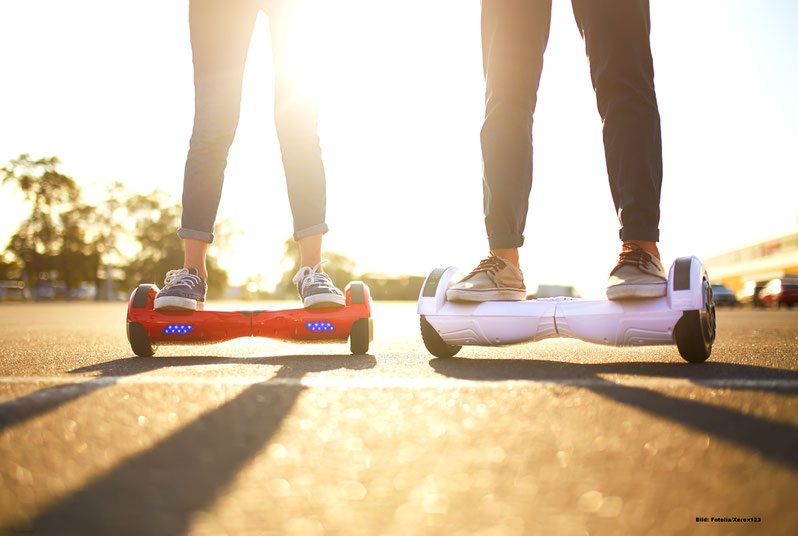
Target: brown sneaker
[(494, 279), (638, 274)]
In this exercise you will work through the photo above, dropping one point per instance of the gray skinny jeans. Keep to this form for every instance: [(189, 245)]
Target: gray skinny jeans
[(220, 36)]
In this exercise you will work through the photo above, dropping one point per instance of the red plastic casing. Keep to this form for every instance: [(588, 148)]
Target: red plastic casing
[(209, 327)]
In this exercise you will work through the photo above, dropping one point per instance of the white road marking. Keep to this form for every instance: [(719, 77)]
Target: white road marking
[(383, 382)]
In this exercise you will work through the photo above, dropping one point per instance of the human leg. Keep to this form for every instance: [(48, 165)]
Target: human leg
[(510, 254), (296, 116), (310, 250), (220, 34), (514, 37), (194, 254), (315, 287), (616, 34)]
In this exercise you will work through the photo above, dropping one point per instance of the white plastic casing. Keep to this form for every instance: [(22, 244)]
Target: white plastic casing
[(634, 322)]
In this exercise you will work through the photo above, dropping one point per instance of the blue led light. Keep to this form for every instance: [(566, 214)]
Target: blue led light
[(177, 329), (320, 326)]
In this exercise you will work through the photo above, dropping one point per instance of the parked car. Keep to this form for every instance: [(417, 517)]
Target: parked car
[(44, 289), (749, 295), (12, 290), (779, 291), (84, 291), (721, 295), (554, 291)]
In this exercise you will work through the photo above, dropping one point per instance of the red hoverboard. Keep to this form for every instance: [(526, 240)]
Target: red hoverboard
[(147, 329)]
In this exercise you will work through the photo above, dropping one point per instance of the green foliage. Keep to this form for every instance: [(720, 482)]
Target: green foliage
[(78, 257), (157, 218), (53, 237), (75, 241), (108, 220), (339, 267), (286, 288), (9, 268)]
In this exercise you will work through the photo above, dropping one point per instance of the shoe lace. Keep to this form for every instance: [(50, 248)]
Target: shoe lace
[(181, 278), (311, 276), (491, 265), (634, 255)]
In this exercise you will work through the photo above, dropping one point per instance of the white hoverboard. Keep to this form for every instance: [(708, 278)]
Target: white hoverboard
[(685, 316)]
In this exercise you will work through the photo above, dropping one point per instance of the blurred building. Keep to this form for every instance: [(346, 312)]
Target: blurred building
[(385, 287), (755, 263)]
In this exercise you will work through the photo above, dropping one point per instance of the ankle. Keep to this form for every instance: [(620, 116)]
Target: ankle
[(201, 270), (310, 250), (508, 254), (647, 246), (317, 265), (194, 254)]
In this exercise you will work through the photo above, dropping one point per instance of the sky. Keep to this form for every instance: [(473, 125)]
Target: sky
[(107, 87)]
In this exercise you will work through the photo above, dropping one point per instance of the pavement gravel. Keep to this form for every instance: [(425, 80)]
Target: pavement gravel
[(262, 437)]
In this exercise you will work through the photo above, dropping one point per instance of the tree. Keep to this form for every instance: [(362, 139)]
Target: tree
[(290, 261), (38, 241), (156, 218), (109, 219), (71, 240), (78, 258), (9, 268), (339, 267)]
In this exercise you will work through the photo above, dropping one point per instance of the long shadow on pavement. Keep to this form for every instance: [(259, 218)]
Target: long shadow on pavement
[(157, 491), (41, 401), (776, 441), (49, 398)]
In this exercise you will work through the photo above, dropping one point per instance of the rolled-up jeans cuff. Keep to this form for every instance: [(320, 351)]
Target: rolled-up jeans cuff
[(630, 233), (196, 235), (310, 231), (505, 240)]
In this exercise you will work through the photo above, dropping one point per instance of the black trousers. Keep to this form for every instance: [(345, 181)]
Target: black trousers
[(616, 35)]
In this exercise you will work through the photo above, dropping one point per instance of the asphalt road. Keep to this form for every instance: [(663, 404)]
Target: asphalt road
[(261, 437)]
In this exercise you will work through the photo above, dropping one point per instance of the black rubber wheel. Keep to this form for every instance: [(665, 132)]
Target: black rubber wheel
[(361, 335), (434, 343), (694, 333), (139, 341), (142, 294), (357, 292)]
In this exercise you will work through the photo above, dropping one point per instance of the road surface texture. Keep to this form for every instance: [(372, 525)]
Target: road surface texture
[(261, 437)]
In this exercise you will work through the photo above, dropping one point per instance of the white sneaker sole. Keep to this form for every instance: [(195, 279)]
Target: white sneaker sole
[(177, 303), (485, 295), (320, 301), (647, 290)]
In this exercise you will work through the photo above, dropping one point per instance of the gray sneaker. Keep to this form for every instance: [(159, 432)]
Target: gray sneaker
[(183, 290), (637, 275), (494, 279), (316, 289)]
